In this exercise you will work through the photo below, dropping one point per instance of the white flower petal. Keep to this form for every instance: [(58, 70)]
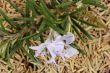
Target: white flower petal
[(48, 41), (70, 51), (37, 54), (41, 47), (58, 38), (38, 49), (34, 47), (69, 38)]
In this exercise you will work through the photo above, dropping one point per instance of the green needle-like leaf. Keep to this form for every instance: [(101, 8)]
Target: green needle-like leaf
[(94, 2), (30, 55), (85, 22), (7, 19), (64, 5), (77, 32), (81, 29)]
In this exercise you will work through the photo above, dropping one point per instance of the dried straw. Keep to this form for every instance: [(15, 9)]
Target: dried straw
[(96, 60)]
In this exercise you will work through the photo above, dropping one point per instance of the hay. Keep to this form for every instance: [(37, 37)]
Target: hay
[(96, 60)]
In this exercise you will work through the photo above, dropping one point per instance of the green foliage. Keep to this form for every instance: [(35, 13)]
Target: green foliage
[(56, 14)]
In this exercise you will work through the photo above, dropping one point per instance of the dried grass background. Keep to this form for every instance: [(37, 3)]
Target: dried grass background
[(96, 60)]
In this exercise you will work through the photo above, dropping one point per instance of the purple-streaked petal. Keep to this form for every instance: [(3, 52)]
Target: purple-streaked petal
[(55, 48), (69, 38), (59, 47), (50, 48), (70, 51)]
